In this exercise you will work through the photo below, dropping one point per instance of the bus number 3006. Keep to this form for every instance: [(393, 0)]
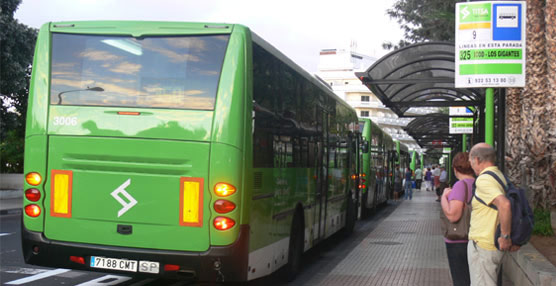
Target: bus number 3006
[(63, 120)]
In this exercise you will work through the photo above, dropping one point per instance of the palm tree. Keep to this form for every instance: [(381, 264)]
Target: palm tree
[(531, 113)]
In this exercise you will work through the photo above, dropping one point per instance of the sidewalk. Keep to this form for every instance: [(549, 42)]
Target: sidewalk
[(405, 249)]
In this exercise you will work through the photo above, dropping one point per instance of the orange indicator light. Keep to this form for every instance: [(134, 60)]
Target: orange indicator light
[(33, 178), (224, 190)]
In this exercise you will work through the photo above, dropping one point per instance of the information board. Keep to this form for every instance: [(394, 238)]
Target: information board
[(490, 44)]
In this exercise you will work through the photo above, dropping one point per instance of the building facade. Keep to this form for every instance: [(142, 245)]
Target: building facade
[(337, 67)]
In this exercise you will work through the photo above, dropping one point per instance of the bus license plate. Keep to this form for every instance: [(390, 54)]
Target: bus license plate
[(114, 264)]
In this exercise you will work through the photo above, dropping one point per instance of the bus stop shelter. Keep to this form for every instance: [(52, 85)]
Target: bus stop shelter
[(422, 75)]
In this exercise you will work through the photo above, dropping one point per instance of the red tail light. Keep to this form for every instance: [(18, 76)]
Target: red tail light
[(362, 186), (33, 210), (223, 223), (77, 259), (33, 195), (224, 206), (171, 267)]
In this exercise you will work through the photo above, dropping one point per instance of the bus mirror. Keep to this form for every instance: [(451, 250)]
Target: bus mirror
[(365, 146)]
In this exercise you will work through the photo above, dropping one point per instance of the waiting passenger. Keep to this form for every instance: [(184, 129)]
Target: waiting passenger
[(408, 184), (484, 258), (398, 176), (453, 202)]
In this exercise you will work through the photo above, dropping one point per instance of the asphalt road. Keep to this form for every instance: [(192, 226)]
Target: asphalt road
[(13, 270)]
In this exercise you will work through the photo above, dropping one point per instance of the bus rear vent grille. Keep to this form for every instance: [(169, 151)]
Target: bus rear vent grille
[(257, 180)]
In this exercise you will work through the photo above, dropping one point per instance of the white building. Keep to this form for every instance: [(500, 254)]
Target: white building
[(337, 67)]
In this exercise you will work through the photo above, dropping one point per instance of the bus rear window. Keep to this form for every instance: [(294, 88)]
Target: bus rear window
[(178, 72)]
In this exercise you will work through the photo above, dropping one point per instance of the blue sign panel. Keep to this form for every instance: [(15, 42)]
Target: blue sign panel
[(507, 22)]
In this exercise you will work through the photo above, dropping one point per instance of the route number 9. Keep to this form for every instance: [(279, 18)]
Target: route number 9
[(474, 34)]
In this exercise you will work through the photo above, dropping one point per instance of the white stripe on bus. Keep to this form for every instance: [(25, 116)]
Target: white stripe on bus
[(38, 276), (6, 233)]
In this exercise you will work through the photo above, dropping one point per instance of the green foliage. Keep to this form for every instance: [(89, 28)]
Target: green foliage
[(12, 153), (16, 57), (542, 223), (424, 20)]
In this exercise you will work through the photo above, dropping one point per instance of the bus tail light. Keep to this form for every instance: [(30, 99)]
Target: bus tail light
[(362, 186), (77, 259), (354, 177), (224, 190), (33, 210), (223, 223), (171, 267), (33, 195), (191, 201), (60, 198), (33, 178), (224, 206)]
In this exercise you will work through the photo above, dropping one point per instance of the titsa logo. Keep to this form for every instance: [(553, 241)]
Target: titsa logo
[(126, 205)]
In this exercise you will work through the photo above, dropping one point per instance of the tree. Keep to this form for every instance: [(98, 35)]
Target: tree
[(531, 115), (530, 112), (424, 20), (16, 56)]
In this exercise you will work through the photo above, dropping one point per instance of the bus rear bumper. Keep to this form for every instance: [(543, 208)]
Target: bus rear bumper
[(217, 264)]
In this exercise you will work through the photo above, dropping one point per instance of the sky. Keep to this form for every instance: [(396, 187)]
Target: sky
[(298, 28)]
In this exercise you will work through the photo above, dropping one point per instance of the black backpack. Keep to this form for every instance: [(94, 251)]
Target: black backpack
[(522, 215)]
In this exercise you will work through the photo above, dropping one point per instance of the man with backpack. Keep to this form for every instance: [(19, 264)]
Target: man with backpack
[(483, 256)]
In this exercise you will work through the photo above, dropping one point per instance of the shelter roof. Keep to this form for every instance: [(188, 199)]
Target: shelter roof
[(418, 75)]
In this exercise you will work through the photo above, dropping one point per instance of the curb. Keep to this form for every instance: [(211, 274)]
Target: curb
[(10, 194), (529, 267), (10, 212)]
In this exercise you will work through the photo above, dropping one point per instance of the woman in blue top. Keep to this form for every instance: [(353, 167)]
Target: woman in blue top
[(453, 202)]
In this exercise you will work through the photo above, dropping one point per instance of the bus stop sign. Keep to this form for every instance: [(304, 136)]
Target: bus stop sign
[(490, 44)]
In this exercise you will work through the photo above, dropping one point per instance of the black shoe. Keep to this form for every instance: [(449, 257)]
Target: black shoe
[(438, 200)]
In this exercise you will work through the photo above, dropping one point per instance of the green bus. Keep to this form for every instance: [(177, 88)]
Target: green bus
[(403, 157), (190, 150), (376, 167)]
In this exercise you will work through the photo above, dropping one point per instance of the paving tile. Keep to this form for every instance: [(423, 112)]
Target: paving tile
[(406, 248)]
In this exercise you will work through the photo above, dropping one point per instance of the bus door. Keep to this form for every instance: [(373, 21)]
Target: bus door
[(322, 172), (356, 154)]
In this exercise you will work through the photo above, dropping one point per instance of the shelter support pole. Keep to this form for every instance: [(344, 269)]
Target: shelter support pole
[(464, 142), (501, 129), (489, 116)]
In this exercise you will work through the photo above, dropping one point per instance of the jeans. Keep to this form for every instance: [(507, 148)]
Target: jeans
[(459, 268), (408, 190)]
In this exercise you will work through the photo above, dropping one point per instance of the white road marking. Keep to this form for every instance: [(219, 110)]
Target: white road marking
[(143, 282), (23, 270), (6, 233), (38, 276), (106, 281)]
